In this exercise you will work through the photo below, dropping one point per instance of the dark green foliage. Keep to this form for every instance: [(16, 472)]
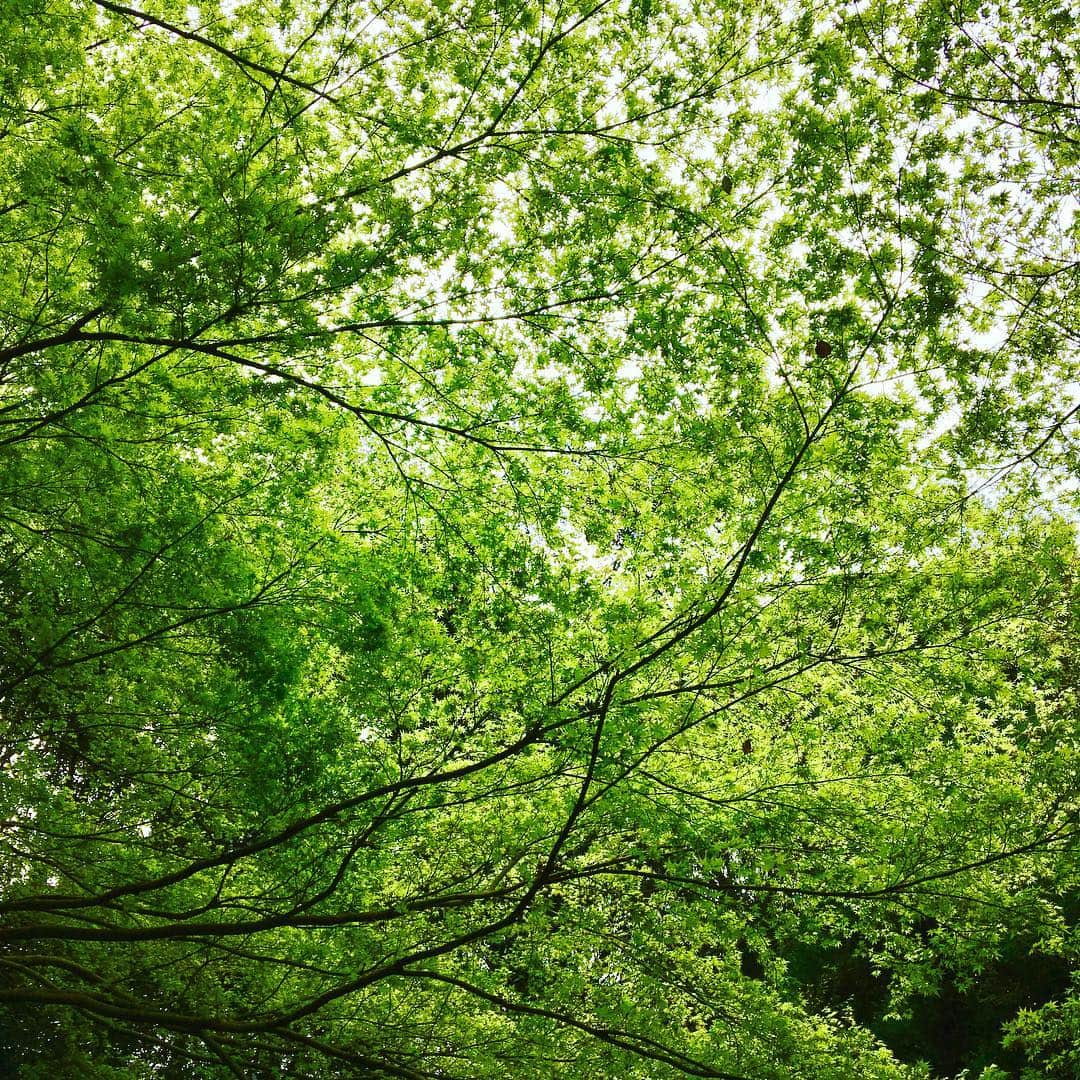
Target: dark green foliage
[(538, 542)]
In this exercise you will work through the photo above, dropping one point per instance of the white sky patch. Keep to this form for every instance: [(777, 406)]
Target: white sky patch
[(645, 153), (945, 423), (612, 111), (797, 251), (968, 124), (789, 12), (1068, 208), (990, 339), (767, 98), (952, 165), (586, 553), (893, 386), (193, 453), (615, 321), (502, 212)]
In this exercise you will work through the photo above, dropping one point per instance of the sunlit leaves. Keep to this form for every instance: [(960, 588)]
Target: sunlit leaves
[(525, 529)]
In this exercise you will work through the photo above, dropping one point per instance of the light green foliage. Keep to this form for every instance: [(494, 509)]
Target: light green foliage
[(526, 532)]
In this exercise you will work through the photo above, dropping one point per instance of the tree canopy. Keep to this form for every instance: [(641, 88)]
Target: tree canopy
[(538, 540)]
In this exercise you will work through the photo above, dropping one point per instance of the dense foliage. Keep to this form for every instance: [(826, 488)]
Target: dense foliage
[(538, 540)]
